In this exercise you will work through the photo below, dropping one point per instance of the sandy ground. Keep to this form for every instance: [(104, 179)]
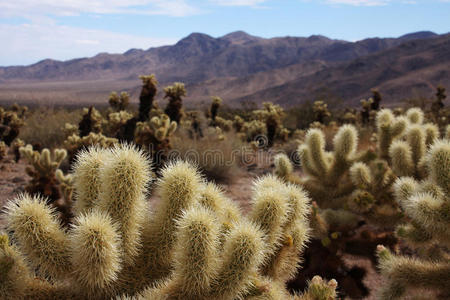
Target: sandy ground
[(13, 180)]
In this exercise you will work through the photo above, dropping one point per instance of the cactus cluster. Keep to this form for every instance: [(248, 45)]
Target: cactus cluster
[(10, 123), (195, 244), (91, 122), (427, 205), (215, 105), (321, 112), (154, 136), (175, 94), (42, 168), (119, 102), (271, 115)]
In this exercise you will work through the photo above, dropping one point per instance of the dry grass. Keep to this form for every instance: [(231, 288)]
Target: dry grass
[(218, 160), (45, 126)]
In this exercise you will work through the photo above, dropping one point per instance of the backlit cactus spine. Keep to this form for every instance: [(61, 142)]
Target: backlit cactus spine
[(326, 170), (389, 128), (427, 203), (116, 246)]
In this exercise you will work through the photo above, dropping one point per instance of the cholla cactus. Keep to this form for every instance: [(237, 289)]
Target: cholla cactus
[(376, 100), (10, 123), (326, 169), (238, 123), (253, 130), (15, 146), (117, 102), (389, 128), (196, 244), (407, 154), (116, 122), (175, 94), (271, 115), (147, 96), (42, 171), (427, 204), (223, 124), (91, 122), (75, 143), (321, 112), (215, 105), (3, 150), (284, 169), (154, 136)]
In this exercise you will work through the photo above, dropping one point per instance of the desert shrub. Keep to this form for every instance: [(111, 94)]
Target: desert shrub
[(44, 126)]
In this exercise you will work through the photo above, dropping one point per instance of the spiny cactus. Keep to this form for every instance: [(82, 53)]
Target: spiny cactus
[(407, 154), (215, 105), (195, 244), (3, 150), (42, 171), (116, 123), (119, 103), (154, 136), (147, 96), (427, 203), (271, 115), (91, 122), (75, 143), (10, 123), (389, 128), (327, 169), (321, 112), (175, 94), (15, 146), (376, 99)]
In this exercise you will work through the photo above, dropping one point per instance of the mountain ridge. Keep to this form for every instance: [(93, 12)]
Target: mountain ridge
[(235, 65)]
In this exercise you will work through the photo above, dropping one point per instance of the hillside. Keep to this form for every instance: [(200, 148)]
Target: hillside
[(234, 66)]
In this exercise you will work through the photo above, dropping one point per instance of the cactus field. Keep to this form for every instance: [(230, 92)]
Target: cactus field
[(147, 198)]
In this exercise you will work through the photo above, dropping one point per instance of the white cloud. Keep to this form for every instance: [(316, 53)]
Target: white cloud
[(238, 2), (30, 8), (30, 43)]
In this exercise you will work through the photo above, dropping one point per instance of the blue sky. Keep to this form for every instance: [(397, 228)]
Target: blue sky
[(32, 30)]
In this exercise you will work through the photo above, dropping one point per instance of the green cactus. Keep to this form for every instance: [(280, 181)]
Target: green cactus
[(427, 204), (195, 244)]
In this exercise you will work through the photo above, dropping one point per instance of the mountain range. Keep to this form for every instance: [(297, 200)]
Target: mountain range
[(243, 68)]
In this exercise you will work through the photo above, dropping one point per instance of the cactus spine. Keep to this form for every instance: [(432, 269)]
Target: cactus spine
[(427, 204), (195, 245)]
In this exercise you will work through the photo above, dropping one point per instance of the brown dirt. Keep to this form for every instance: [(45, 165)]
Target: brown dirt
[(12, 181)]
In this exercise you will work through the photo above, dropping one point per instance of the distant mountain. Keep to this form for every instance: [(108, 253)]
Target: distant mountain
[(413, 68), (233, 66)]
